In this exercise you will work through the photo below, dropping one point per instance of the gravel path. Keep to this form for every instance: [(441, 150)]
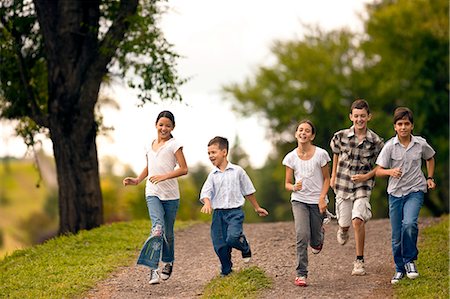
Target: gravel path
[(273, 247)]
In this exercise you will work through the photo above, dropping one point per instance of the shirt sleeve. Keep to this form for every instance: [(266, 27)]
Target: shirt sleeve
[(427, 151), (287, 161), (335, 144), (207, 189), (176, 145), (247, 187), (384, 157), (325, 158)]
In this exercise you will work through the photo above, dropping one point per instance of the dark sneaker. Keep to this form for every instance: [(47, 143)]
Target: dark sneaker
[(166, 271), (397, 277), (300, 281), (411, 270), (247, 256)]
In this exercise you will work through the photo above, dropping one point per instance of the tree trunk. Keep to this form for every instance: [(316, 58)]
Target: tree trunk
[(80, 197)]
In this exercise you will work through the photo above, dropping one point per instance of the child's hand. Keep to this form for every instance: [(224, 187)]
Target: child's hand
[(206, 208), (156, 179), (262, 212), (431, 184), (396, 172), (357, 178), (322, 205), (130, 181), (297, 186)]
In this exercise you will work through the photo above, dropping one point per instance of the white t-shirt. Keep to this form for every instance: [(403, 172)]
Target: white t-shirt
[(160, 162), (310, 173)]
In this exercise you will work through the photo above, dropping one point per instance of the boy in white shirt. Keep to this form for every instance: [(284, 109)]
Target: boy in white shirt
[(224, 193)]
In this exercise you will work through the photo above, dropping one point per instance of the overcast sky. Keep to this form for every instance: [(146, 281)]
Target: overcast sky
[(221, 42)]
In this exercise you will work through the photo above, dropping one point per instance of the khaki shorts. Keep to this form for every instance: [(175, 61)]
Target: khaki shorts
[(349, 209)]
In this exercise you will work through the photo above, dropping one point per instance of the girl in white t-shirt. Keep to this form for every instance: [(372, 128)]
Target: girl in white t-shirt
[(162, 195), (308, 177)]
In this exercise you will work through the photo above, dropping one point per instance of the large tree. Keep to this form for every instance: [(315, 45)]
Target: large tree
[(54, 57)]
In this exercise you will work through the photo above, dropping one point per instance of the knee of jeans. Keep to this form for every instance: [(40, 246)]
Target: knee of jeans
[(157, 230), (233, 240), (410, 227)]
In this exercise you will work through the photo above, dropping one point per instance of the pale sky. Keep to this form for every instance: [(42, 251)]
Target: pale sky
[(221, 42)]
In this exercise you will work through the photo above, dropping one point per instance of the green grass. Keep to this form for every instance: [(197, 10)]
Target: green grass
[(433, 265), (68, 266), (243, 284)]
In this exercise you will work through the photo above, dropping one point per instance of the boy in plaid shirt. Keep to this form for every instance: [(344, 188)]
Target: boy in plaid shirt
[(352, 178)]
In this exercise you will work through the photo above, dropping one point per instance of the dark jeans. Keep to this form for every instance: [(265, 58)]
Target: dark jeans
[(227, 233)]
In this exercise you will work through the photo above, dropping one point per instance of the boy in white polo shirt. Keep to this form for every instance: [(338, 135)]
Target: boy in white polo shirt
[(224, 193)]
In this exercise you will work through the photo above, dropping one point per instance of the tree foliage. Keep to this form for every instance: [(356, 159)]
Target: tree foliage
[(401, 59)]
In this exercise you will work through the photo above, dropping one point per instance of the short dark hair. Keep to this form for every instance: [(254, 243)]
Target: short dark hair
[(402, 112), (222, 142), (307, 121), (360, 104)]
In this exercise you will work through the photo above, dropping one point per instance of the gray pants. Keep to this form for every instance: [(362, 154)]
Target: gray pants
[(308, 228)]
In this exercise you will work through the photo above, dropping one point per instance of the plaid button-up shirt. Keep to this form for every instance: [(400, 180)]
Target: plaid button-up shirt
[(355, 157)]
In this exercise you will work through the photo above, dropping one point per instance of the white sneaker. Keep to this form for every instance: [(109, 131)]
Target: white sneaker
[(358, 268), (154, 277), (397, 277), (342, 236), (411, 270)]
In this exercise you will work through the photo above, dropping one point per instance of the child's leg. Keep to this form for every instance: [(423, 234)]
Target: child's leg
[(218, 237), (316, 224), (302, 230), (396, 218), (410, 229), (151, 251), (170, 213), (344, 212), (235, 235), (361, 213)]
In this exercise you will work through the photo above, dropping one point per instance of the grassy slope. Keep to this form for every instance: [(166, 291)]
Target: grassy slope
[(433, 265)]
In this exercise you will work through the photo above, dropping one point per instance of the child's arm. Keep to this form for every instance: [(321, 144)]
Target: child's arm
[(334, 170), (181, 170), (288, 181), (325, 187), (261, 211), (364, 177), (430, 171), (393, 172), (135, 181), (206, 206)]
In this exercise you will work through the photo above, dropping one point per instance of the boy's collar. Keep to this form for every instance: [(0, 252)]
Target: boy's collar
[(369, 135)]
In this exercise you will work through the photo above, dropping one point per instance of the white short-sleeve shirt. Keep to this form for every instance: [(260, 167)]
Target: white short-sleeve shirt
[(160, 162), (310, 173)]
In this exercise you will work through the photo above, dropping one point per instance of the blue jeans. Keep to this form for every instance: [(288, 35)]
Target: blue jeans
[(227, 233), (162, 214), (404, 212)]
